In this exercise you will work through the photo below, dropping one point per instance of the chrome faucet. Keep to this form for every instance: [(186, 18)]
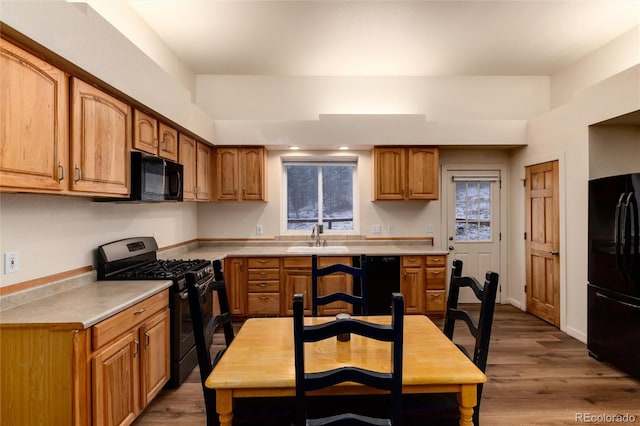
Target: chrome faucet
[(315, 235)]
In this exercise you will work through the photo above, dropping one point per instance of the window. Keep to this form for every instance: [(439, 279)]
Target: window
[(319, 192), (473, 211)]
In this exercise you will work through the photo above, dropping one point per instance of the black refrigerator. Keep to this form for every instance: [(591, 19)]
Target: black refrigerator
[(613, 333)]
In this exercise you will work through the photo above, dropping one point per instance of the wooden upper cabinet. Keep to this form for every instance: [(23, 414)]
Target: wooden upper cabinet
[(100, 141), (389, 173), (422, 173), (401, 173), (187, 157), (154, 137), (240, 174), (34, 123), (203, 171)]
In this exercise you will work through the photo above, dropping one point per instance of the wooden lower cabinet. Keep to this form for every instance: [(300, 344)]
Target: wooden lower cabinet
[(129, 373), (412, 284), (435, 285), (263, 286), (104, 375)]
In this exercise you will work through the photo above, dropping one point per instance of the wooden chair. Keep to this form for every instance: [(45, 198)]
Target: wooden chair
[(391, 382), (247, 411), (359, 274), (443, 408)]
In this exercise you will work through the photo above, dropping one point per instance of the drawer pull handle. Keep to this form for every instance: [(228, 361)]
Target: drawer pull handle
[(263, 273), (147, 337), (262, 261), (263, 297), (262, 285), (139, 311), (435, 272), (136, 344)]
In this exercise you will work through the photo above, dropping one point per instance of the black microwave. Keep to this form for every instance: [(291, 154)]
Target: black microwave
[(155, 179)]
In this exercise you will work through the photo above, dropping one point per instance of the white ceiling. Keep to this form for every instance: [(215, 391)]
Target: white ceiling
[(334, 37)]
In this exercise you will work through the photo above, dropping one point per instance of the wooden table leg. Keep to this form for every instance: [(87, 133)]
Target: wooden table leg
[(224, 406), (467, 399)]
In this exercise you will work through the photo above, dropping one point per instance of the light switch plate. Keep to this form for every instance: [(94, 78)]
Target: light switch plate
[(259, 230), (375, 229), (11, 262)]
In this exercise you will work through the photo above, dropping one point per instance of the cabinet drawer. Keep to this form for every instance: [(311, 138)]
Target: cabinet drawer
[(413, 261), (263, 262), (109, 329), (297, 262), (263, 304), (264, 274), (437, 261), (435, 278), (435, 300), (263, 286), (328, 261)]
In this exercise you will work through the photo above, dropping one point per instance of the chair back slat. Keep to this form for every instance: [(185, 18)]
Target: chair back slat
[(388, 381), (359, 274)]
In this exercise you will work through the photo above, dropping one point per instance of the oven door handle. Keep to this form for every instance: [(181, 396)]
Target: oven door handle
[(184, 294)]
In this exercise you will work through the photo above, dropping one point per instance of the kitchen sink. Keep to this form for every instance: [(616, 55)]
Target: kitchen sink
[(318, 250)]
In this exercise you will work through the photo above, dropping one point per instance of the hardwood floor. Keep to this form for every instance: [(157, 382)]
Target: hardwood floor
[(537, 376)]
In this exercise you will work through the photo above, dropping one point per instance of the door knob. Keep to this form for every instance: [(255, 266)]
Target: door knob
[(450, 238), (554, 252), (451, 248)]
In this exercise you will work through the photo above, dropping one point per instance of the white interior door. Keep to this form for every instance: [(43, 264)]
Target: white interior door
[(473, 223)]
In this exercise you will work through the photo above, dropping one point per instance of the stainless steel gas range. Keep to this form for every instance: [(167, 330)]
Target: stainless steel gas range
[(136, 259)]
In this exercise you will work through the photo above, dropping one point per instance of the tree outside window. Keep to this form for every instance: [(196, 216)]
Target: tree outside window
[(319, 193)]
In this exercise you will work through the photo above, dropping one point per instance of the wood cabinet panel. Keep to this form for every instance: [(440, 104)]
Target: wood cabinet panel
[(168, 142), (263, 304), (100, 141), (296, 281), (154, 137), (187, 157), (156, 356), (203, 171), (412, 287), (435, 301), (34, 122), (240, 174), (236, 280), (116, 385), (405, 173)]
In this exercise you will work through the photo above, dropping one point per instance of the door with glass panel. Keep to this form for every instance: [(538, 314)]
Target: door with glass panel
[(473, 222)]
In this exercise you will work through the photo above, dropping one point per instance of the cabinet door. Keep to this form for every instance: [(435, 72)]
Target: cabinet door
[(236, 280), (412, 287), (252, 172), (422, 173), (187, 157), (203, 171), (34, 122), (389, 173), (100, 141), (335, 283), (227, 174), (296, 281), (145, 132), (116, 382), (168, 142), (154, 336)]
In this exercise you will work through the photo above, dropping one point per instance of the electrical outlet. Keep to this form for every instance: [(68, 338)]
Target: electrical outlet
[(259, 230), (375, 229), (430, 229), (11, 262)]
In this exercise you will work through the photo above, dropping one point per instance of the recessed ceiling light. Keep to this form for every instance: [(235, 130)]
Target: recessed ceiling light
[(294, 147), (343, 148)]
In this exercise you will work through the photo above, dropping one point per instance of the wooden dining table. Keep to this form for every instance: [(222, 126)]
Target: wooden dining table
[(260, 362)]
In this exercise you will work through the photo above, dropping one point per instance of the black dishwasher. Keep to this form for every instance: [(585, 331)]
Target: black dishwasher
[(383, 278)]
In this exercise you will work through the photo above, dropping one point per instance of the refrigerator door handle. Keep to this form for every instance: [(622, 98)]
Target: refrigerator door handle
[(630, 305), (616, 223)]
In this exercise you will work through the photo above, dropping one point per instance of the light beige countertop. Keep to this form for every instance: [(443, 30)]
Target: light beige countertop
[(278, 249), (84, 306)]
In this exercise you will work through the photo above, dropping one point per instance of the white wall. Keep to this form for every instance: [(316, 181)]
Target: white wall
[(563, 134), (320, 111), (614, 57), (56, 233), (407, 219)]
